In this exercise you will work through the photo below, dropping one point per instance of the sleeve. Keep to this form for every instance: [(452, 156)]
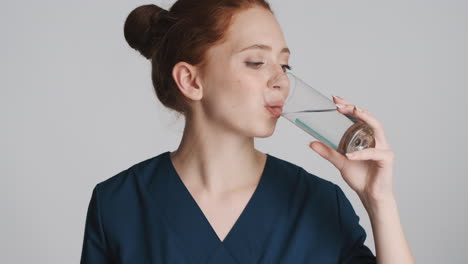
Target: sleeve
[(94, 243), (353, 251)]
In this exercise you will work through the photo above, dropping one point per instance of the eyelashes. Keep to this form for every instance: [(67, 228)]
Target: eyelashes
[(256, 65), (286, 67)]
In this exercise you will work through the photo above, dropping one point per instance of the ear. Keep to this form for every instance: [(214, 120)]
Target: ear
[(185, 75)]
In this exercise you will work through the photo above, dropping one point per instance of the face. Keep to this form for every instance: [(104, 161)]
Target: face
[(242, 69)]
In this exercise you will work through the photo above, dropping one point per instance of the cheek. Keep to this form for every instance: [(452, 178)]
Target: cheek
[(236, 101), (238, 105), (238, 98), (246, 95), (224, 97)]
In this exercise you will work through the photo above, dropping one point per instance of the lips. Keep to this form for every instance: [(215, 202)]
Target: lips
[(275, 111)]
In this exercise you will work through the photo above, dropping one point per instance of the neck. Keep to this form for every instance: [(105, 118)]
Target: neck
[(214, 160)]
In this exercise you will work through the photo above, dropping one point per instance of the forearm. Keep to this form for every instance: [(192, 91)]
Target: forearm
[(390, 242)]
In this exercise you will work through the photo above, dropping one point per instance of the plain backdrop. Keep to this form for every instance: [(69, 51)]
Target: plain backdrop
[(77, 107)]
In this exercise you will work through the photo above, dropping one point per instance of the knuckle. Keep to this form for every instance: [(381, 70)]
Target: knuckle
[(379, 124)]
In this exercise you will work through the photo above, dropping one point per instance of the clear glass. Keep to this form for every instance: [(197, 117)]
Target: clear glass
[(317, 115)]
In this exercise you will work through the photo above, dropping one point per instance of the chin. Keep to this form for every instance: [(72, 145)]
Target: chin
[(266, 129)]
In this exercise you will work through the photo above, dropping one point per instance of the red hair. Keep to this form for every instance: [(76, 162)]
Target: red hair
[(184, 33)]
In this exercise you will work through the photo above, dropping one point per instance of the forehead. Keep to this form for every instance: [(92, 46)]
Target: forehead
[(254, 26)]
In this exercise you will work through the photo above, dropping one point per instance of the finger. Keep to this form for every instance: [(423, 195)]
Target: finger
[(352, 118), (328, 153), (382, 155), (339, 100), (369, 119), (354, 114)]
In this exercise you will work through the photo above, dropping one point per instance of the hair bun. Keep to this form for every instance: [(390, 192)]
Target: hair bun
[(145, 26)]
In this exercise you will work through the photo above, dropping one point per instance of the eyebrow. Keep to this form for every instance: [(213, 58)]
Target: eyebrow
[(264, 47)]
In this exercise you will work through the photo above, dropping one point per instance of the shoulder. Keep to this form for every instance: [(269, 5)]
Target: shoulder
[(310, 198), (322, 195), (128, 181), (302, 177)]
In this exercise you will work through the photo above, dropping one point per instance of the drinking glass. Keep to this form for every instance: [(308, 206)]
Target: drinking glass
[(317, 115)]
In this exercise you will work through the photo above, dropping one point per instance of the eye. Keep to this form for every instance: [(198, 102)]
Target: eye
[(254, 65), (286, 67)]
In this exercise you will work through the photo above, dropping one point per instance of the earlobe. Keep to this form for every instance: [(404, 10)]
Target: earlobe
[(184, 75)]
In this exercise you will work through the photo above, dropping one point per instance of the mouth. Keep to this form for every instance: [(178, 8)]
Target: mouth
[(274, 111)]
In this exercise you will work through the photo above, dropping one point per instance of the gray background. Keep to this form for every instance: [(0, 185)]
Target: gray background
[(77, 107)]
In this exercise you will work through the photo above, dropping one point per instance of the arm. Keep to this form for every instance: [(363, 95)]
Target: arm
[(94, 244), (369, 172), (390, 242)]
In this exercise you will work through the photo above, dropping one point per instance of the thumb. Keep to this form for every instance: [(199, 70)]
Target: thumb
[(328, 153)]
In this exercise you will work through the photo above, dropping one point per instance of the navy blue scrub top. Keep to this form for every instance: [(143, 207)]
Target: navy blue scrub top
[(145, 214)]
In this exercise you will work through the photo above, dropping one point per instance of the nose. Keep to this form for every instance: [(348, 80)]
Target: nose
[(279, 80), (278, 89)]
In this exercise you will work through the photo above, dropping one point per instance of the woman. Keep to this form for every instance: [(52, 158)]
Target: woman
[(217, 199)]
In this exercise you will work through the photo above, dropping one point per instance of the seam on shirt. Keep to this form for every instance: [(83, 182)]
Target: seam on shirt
[(338, 207), (300, 177), (101, 225), (339, 220)]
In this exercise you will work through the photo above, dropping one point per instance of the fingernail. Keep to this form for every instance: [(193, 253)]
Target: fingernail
[(336, 96), (358, 109), (340, 105), (350, 154)]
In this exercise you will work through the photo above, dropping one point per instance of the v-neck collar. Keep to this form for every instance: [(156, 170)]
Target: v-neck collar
[(184, 217), (194, 203)]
